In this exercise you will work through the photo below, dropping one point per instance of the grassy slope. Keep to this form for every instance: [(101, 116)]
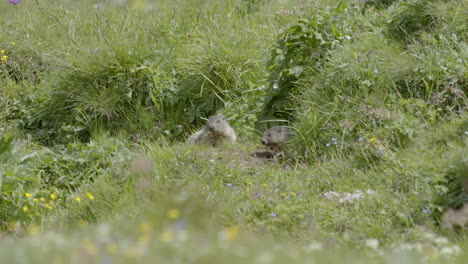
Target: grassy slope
[(154, 200)]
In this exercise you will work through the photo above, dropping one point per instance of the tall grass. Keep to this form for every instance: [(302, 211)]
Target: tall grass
[(96, 98)]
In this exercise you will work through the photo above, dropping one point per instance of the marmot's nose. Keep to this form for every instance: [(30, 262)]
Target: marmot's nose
[(263, 142)]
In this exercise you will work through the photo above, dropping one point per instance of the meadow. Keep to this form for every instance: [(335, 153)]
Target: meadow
[(98, 98)]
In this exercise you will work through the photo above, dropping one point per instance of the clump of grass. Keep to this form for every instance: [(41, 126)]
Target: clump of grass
[(300, 50), (410, 18)]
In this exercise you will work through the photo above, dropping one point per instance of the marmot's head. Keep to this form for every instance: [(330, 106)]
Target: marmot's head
[(217, 124), (277, 135)]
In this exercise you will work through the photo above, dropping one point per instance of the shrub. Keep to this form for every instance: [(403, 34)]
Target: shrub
[(299, 52)]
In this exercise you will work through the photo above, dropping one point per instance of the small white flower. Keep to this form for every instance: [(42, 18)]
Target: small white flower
[(454, 250), (372, 243), (314, 245), (441, 241)]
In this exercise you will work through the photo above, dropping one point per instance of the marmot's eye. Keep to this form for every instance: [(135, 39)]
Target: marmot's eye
[(218, 121), (269, 134)]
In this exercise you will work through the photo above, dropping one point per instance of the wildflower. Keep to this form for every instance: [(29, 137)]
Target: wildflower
[(42, 199), (331, 194), (144, 238), (314, 245), (372, 243), (327, 144), (53, 196), (454, 250), (249, 183), (25, 208), (272, 214), (111, 248), (441, 241), (264, 185), (90, 196), (231, 233), (13, 43), (144, 227), (166, 236), (2, 51), (48, 206), (293, 194), (179, 225), (34, 230), (283, 194), (14, 2), (36, 200), (90, 247), (255, 195), (228, 184), (173, 214), (333, 139), (28, 195), (4, 58), (360, 139), (78, 199)]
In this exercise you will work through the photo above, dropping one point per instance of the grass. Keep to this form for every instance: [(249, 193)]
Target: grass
[(98, 99)]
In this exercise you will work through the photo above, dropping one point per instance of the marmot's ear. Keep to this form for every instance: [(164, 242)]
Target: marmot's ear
[(279, 130)]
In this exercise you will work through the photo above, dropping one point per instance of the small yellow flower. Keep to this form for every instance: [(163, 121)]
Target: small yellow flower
[(144, 227), (111, 248), (28, 195), (42, 199), (4, 58), (90, 196), (173, 214), (283, 194), (13, 42), (53, 196), (48, 206), (372, 140), (145, 238), (78, 199), (25, 208), (90, 247), (264, 185), (166, 236), (293, 194), (34, 230), (2, 51), (249, 183), (231, 233), (36, 200)]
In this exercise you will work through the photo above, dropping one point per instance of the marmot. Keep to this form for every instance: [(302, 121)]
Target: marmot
[(215, 131), (275, 138)]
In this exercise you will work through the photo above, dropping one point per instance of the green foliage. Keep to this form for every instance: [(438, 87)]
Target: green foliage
[(64, 171), (23, 64), (300, 51), (450, 187), (409, 18), (96, 98)]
